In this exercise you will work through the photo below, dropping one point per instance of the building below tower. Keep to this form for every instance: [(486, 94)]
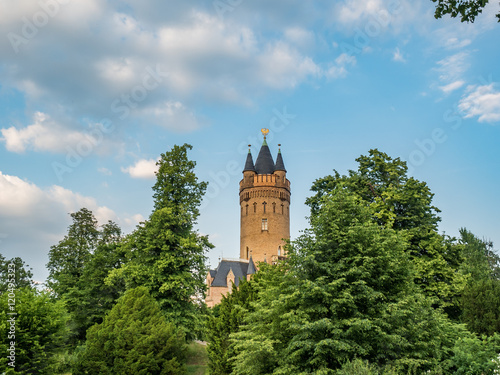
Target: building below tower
[(264, 218)]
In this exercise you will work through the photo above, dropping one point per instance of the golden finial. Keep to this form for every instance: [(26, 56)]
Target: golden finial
[(264, 132)]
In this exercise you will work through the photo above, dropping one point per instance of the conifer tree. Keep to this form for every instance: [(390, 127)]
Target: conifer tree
[(134, 338)]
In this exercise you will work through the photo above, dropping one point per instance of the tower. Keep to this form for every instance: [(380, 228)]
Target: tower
[(265, 206), (265, 222)]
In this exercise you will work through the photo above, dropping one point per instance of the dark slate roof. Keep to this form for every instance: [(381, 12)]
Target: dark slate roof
[(264, 163), (213, 273), (280, 166), (249, 163), (239, 269), (251, 267)]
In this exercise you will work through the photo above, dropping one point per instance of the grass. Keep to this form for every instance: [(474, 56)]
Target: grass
[(197, 359)]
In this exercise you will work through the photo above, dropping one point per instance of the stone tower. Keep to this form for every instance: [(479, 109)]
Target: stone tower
[(265, 207)]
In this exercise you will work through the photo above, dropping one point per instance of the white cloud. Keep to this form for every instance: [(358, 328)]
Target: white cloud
[(144, 168), (172, 115), (398, 56), (452, 86), (46, 135), (338, 70), (453, 67), (33, 218), (483, 102)]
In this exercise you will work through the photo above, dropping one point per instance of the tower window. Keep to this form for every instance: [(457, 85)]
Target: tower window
[(264, 224), (279, 250), (246, 209), (247, 253), (282, 209), (264, 204), (274, 207), (254, 206)]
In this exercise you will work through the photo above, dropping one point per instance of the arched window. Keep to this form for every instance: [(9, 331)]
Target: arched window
[(246, 209), (248, 253), (264, 204), (279, 250), (274, 207), (254, 207)]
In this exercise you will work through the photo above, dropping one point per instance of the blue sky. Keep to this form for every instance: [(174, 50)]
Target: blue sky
[(91, 93)]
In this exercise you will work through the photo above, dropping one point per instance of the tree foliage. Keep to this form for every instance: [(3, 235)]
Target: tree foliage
[(467, 10), (166, 254), (78, 266), (403, 204), (226, 320), (39, 331), (349, 293), (67, 259), (134, 338), (23, 273)]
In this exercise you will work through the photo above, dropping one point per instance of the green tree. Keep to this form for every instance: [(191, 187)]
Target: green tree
[(349, 293), (226, 320), (38, 331), (78, 266), (166, 254), (67, 259), (23, 274), (177, 186), (134, 338), (403, 204), (480, 301), (467, 10)]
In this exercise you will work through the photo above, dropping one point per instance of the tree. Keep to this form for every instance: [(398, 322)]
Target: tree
[(39, 330), (165, 253), (78, 266), (480, 301), (68, 258), (467, 10), (23, 274), (226, 320), (134, 338), (348, 293), (403, 204), (177, 186)]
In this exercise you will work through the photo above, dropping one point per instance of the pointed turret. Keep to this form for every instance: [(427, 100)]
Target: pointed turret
[(251, 267), (249, 163), (264, 163), (280, 166)]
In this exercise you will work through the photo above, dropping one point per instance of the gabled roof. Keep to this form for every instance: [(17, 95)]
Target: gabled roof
[(239, 270), (249, 163), (264, 163), (280, 166)]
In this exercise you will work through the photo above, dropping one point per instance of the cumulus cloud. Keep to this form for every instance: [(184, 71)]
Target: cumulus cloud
[(483, 102), (46, 135), (34, 218), (144, 168)]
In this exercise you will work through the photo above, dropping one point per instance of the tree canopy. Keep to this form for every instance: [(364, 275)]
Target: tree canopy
[(467, 10), (134, 338)]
